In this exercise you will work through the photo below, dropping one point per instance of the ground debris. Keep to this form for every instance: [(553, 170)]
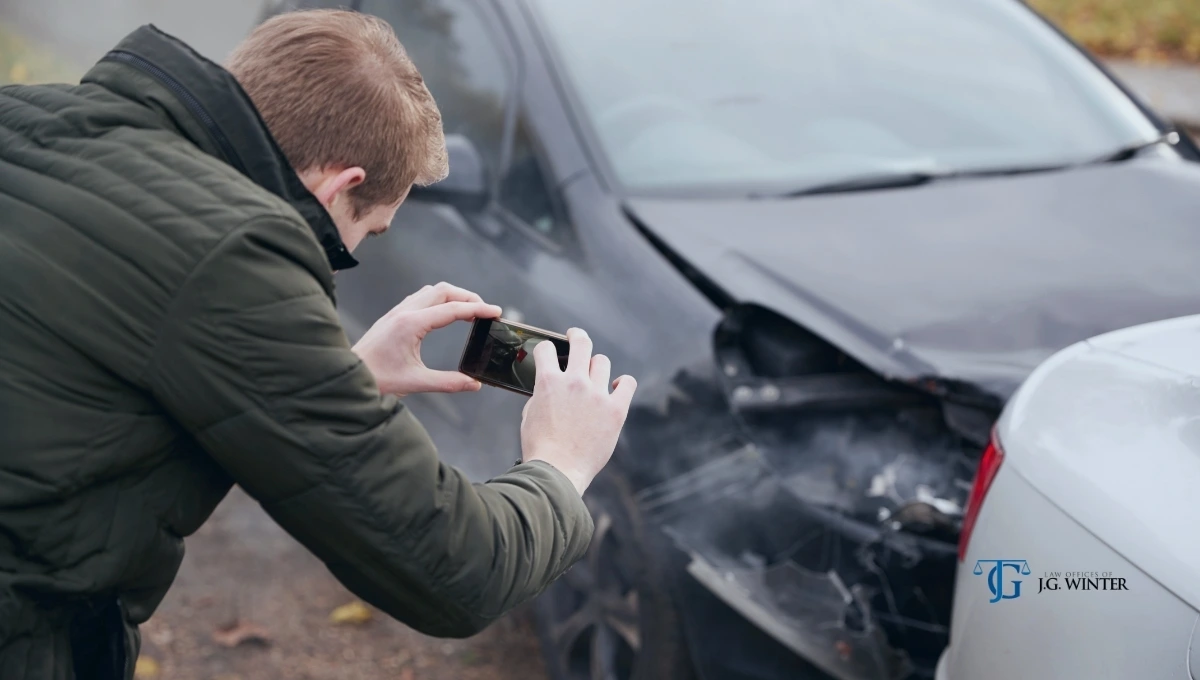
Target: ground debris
[(352, 613), (241, 632), (145, 668)]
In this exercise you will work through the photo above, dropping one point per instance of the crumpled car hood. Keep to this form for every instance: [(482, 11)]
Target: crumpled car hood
[(976, 280)]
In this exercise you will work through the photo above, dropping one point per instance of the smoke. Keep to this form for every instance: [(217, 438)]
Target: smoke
[(868, 466), (869, 500)]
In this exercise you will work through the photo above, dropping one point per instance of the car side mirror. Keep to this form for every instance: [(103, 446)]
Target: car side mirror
[(466, 187)]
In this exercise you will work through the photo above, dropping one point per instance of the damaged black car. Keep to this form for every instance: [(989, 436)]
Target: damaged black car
[(830, 239)]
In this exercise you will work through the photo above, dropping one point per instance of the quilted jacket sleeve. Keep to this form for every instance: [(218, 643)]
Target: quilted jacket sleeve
[(254, 363)]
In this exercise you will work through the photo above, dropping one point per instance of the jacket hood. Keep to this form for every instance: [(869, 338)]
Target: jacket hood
[(974, 280), (207, 105)]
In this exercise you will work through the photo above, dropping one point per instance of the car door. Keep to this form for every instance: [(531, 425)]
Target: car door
[(469, 65)]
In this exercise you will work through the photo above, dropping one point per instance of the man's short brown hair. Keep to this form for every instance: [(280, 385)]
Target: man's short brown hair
[(337, 89)]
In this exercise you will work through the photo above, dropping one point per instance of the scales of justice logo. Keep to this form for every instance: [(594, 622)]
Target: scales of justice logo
[(997, 571)]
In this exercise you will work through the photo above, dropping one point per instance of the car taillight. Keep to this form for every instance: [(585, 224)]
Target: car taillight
[(989, 465)]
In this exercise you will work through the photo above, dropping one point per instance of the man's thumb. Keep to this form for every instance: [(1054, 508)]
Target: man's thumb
[(450, 381)]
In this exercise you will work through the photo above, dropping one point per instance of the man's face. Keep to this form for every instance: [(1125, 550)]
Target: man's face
[(355, 230), (332, 186)]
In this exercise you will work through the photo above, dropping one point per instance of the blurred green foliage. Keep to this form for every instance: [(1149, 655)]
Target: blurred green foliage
[(1145, 30), (22, 61)]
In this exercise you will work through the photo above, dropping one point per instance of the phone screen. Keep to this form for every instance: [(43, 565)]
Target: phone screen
[(500, 353)]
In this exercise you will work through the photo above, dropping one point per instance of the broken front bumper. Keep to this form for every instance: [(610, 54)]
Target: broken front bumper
[(858, 601)]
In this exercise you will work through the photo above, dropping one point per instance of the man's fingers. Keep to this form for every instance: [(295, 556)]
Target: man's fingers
[(449, 293), (545, 360), (580, 358), (440, 316), (442, 293), (601, 371), (623, 389)]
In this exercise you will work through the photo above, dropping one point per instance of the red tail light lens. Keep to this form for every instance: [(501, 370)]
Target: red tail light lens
[(989, 465)]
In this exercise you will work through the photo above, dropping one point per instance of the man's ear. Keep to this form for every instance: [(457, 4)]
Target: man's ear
[(332, 183)]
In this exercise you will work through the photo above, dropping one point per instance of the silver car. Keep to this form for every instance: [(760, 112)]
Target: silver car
[(1080, 555)]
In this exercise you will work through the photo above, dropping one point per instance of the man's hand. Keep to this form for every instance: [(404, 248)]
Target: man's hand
[(572, 421), (392, 348)]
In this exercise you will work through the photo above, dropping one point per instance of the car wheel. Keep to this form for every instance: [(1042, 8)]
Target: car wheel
[(612, 615)]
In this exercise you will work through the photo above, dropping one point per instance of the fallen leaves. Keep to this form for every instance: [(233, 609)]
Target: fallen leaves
[(354, 613), (1148, 31), (145, 668), (241, 632)]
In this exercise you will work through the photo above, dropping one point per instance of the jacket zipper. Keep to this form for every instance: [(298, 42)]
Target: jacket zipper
[(189, 100)]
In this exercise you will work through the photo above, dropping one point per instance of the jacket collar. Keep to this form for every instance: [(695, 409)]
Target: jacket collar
[(209, 107)]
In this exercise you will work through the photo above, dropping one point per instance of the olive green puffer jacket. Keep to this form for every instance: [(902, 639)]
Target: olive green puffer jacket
[(167, 329)]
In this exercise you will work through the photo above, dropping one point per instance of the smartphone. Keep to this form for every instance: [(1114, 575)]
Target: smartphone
[(500, 353)]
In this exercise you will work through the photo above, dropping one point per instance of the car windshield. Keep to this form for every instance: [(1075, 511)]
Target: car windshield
[(762, 95)]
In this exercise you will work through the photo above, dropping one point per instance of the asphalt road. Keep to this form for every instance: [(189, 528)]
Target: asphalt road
[(1171, 89), (244, 574)]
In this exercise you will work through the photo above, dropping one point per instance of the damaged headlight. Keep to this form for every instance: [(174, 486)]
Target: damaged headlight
[(832, 524), (842, 437)]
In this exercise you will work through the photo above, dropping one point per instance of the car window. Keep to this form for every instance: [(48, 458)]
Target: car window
[(803, 92), (524, 191), (466, 72), (462, 65)]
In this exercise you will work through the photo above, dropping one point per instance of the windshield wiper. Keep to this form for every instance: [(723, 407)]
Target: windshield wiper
[(1007, 171), (889, 180), (1128, 151), (912, 178)]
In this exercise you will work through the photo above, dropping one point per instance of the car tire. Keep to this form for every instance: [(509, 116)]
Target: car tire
[(613, 615)]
